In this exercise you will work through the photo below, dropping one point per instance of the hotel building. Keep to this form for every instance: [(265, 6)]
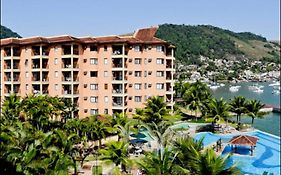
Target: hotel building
[(102, 75)]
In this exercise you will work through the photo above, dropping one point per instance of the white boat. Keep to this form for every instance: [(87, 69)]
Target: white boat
[(275, 91), (222, 85), (214, 87), (234, 88), (274, 84), (258, 90)]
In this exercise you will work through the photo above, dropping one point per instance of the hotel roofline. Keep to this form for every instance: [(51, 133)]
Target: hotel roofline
[(141, 36)]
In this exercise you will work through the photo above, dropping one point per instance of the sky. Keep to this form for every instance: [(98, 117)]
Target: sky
[(110, 17)]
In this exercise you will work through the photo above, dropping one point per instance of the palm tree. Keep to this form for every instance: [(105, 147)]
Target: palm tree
[(238, 106), (253, 109), (196, 96), (188, 152), (211, 164), (219, 109), (155, 110), (153, 163), (117, 153), (191, 157)]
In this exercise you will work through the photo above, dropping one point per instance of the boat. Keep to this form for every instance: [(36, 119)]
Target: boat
[(234, 88), (274, 84), (258, 90), (275, 91), (222, 85), (214, 87)]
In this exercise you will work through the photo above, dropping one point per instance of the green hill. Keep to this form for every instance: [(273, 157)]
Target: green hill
[(7, 33), (216, 43)]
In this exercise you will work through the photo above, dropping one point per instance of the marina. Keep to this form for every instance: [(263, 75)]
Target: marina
[(271, 122)]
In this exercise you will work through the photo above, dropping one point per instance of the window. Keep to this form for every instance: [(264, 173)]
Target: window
[(106, 99), (105, 61), (26, 63), (145, 73), (94, 86), (137, 86), (26, 87), (26, 74), (145, 61), (94, 74), (94, 99), (159, 48), (159, 61), (94, 61), (105, 73), (137, 60), (56, 87), (93, 48), (145, 85), (137, 98), (105, 86), (105, 111), (149, 72), (160, 74), (105, 48), (56, 74), (159, 86), (56, 60), (137, 73), (94, 111), (137, 48), (56, 49)]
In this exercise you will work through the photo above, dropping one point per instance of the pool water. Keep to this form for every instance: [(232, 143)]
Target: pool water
[(266, 154), (181, 126)]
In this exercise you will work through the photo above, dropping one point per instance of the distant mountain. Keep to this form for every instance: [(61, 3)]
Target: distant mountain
[(5, 32), (216, 43)]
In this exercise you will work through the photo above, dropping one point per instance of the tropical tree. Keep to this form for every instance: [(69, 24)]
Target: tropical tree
[(196, 96), (11, 108), (238, 106), (254, 109), (116, 153), (155, 110), (211, 164), (188, 152), (190, 156), (219, 109), (153, 163)]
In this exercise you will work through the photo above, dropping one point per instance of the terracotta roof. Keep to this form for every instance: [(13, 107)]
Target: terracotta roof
[(62, 39), (9, 41), (33, 40), (142, 36), (146, 34), (243, 140)]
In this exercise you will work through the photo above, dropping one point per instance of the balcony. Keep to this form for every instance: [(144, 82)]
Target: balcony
[(45, 64), (35, 51), (7, 52), (45, 51), (35, 76)]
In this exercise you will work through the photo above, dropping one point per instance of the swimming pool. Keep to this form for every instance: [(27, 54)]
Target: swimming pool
[(266, 155)]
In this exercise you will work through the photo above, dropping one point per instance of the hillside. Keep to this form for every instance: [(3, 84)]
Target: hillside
[(6, 33), (216, 43)]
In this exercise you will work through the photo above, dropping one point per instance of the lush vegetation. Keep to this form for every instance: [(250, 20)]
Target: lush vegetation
[(37, 136), (196, 97), (213, 42), (7, 33)]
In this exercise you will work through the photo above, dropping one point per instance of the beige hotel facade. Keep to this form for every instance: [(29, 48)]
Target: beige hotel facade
[(102, 75)]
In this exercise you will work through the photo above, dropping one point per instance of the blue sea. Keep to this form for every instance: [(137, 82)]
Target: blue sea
[(271, 122)]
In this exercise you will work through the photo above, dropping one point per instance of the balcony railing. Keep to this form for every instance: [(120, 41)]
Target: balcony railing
[(117, 91)]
